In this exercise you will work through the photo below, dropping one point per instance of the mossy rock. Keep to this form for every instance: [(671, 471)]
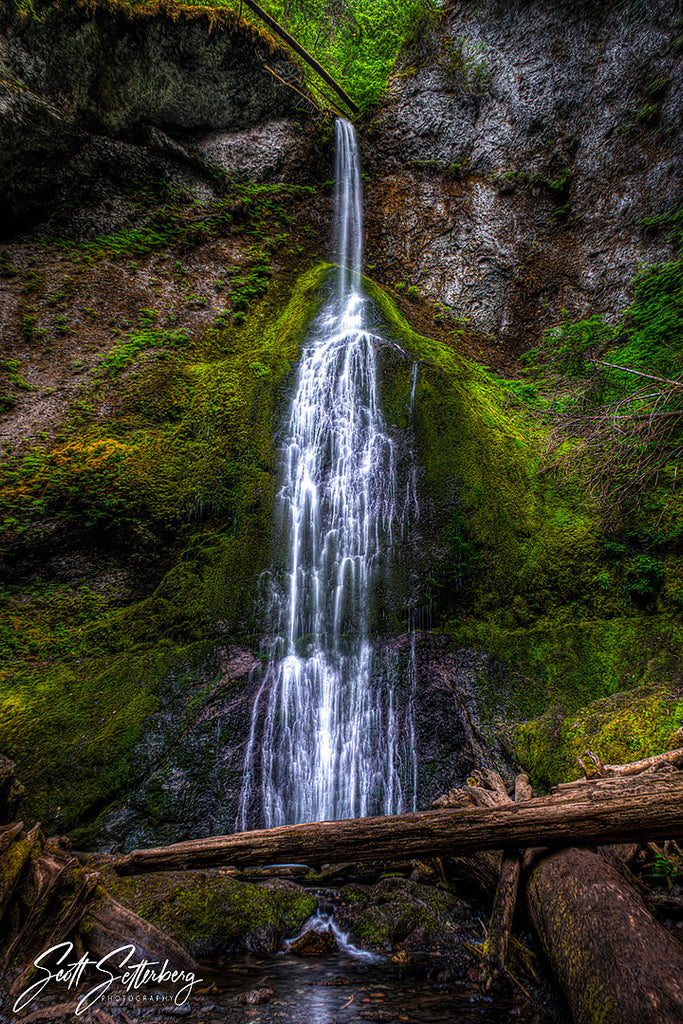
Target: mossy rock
[(510, 542), (210, 914), (397, 912)]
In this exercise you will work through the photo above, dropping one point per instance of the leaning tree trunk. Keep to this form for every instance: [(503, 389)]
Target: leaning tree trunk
[(616, 964)]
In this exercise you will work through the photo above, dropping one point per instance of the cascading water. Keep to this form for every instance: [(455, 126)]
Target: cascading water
[(334, 742)]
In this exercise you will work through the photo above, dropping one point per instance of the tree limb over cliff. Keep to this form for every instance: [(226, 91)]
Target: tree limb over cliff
[(301, 52)]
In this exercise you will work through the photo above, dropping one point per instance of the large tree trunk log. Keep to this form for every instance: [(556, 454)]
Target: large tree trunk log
[(13, 862), (651, 809), (614, 962)]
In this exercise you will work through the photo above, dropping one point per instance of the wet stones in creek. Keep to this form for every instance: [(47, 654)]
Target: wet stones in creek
[(314, 943)]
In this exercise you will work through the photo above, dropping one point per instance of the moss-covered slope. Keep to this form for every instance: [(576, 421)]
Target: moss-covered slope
[(135, 527), (173, 476), (525, 570)]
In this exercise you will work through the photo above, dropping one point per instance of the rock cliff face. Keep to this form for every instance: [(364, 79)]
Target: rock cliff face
[(91, 97), (518, 152)]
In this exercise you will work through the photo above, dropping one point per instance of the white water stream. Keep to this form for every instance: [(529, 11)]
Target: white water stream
[(328, 739)]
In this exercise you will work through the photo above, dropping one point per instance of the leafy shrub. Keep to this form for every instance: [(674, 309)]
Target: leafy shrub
[(643, 578), (567, 344), (655, 319)]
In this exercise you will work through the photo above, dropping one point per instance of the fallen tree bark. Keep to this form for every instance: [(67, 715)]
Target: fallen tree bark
[(505, 900), (593, 765), (109, 925), (616, 964), (653, 810)]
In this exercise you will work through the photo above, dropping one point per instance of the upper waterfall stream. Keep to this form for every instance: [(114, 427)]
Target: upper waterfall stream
[(333, 739)]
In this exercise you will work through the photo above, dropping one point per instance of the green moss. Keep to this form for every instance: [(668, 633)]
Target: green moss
[(528, 540), (12, 865), (209, 913), (193, 472), (389, 912), (655, 320), (624, 727), (564, 661), (522, 570), (125, 351)]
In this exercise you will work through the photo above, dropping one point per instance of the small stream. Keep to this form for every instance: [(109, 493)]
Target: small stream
[(340, 990)]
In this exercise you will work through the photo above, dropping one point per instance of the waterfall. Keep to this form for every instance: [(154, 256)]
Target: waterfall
[(335, 740)]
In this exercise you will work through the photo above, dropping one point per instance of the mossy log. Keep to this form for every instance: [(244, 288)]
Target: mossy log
[(650, 808), (616, 964), (11, 790), (54, 895), (47, 874), (13, 863)]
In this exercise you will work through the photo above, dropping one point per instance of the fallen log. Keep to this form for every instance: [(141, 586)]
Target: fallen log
[(615, 963), (505, 900), (47, 876), (13, 862), (304, 54), (11, 790), (653, 811), (8, 833)]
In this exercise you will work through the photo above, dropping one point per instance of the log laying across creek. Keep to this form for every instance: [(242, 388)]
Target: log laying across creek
[(609, 810)]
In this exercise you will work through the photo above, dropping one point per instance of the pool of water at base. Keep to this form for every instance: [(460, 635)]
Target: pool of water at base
[(341, 990)]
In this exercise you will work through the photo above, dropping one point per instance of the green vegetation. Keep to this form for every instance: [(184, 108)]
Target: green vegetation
[(613, 397), (180, 478), (356, 42), (168, 215), (210, 914), (671, 222), (570, 606), (465, 61), (125, 350), (11, 381), (520, 564), (654, 322), (625, 727), (517, 537)]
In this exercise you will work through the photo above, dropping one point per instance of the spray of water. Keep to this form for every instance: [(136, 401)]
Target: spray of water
[(333, 741)]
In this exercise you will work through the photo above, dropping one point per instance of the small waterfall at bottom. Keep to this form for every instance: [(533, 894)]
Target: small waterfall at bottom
[(323, 924), (336, 742)]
